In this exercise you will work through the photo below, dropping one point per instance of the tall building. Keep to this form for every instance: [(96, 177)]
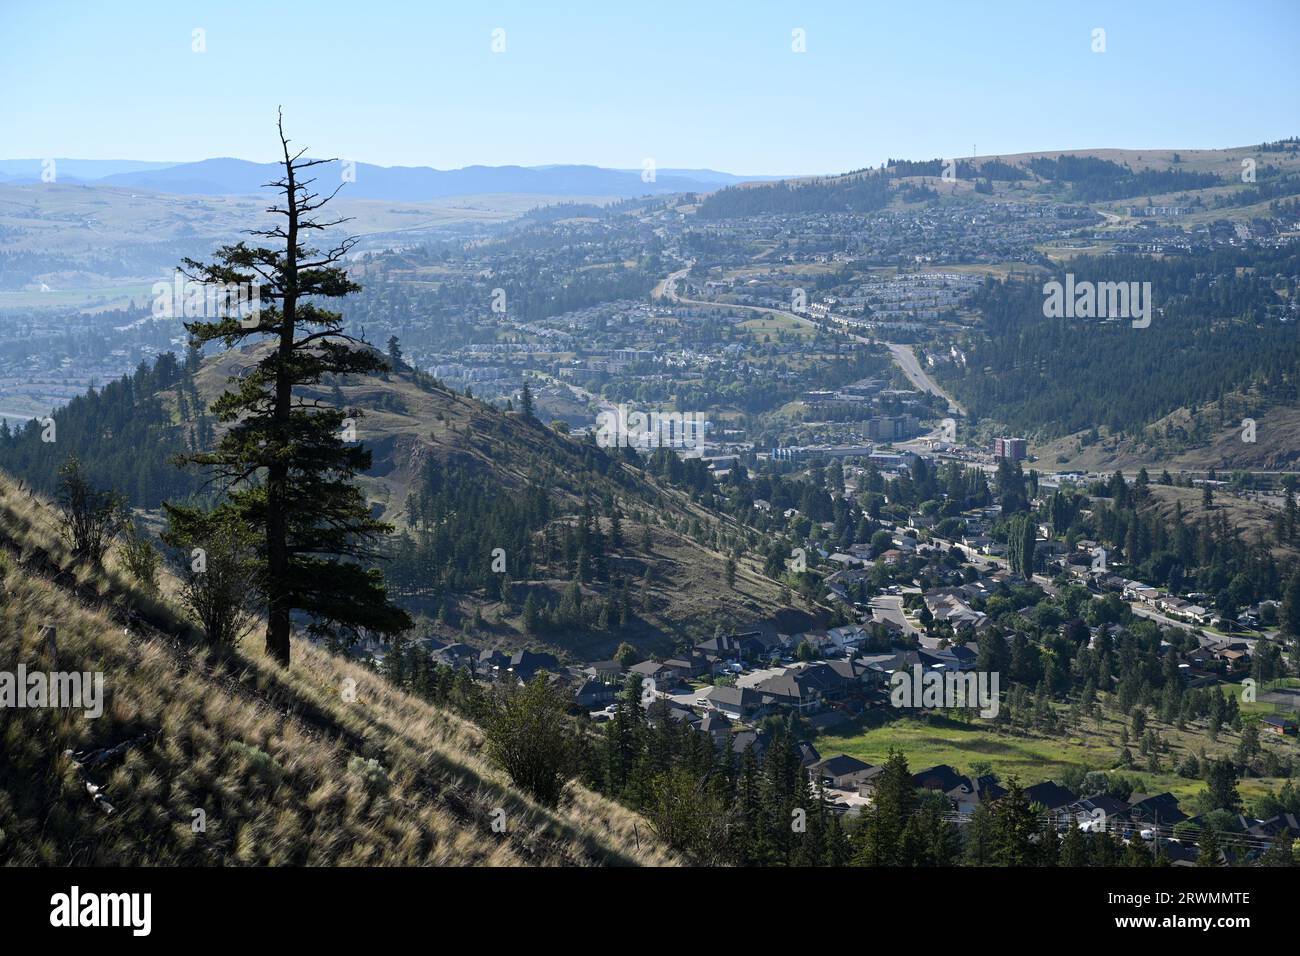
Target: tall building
[(1013, 449)]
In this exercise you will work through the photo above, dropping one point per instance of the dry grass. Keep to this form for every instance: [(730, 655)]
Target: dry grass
[(278, 761)]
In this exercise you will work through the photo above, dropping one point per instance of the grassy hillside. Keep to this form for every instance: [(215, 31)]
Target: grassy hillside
[(1166, 176), (1276, 446), (409, 427), (127, 434), (285, 769)]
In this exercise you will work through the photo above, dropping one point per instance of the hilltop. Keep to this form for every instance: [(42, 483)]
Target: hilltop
[(322, 764), (1235, 183)]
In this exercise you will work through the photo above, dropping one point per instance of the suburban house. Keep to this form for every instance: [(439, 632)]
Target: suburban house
[(792, 688), (840, 771), (738, 703), (491, 663), (955, 658), (652, 670), (949, 604), (525, 664), (850, 636), (734, 647), (964, 792), (742, 741), (594, 693), (717, 726), (1050, 795), (942, 778), (684, 668), (1281, 726), (1092, 813), (456, 655), (607, 671), (1161, 808)]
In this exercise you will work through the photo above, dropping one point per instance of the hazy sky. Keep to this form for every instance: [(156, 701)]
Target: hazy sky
[(699, 84)]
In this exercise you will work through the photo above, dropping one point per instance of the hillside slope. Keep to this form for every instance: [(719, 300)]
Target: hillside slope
[(284, 767), (428, 441)]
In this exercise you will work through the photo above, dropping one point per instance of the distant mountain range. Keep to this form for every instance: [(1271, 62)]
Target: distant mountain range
[(239, 177)]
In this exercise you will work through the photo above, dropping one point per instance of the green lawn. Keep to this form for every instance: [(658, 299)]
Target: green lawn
[(1034, 757)]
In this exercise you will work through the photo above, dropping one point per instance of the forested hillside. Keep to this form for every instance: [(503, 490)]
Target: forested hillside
[(1091, 179), (125, 433), (597, 546), (1220, 336)]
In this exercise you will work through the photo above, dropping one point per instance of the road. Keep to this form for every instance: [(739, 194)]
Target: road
[(905, 359), (902, 355), (890, 607)]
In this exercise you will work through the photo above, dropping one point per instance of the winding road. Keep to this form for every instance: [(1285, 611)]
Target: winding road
[(902, 355)]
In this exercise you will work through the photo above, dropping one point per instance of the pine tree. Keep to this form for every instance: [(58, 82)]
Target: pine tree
[(1074, 850), (615, 527), (1208, 844), (1137, 854), (1289, 613), (395, 360), (1014, 825), (285, 461), (532, 614), (1281, 852), (879, 838), (526, 401), (980, 837)]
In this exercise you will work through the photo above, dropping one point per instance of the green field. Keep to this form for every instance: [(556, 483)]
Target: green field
[(1034, 757), (773, 322), (99, 297)]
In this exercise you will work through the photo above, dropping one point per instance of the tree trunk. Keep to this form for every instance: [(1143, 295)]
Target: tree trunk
[(278, 610), (277, 545)]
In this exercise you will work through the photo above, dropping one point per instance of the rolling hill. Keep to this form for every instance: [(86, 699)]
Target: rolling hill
[(1105, 179), (227, 176)]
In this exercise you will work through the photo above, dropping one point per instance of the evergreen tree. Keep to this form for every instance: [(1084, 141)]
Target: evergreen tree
[(1281, 852), (880, 835), (288, 464), (395, 360), (526, 401), (1074, 850), (1014, 826), (1289, 613), (980, 836), (1208, 852)]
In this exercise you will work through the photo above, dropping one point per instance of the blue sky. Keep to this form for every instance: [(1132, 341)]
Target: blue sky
[(702, 84)]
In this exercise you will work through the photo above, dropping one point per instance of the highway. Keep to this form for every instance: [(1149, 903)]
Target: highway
[(902, 355), (905, 359)]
